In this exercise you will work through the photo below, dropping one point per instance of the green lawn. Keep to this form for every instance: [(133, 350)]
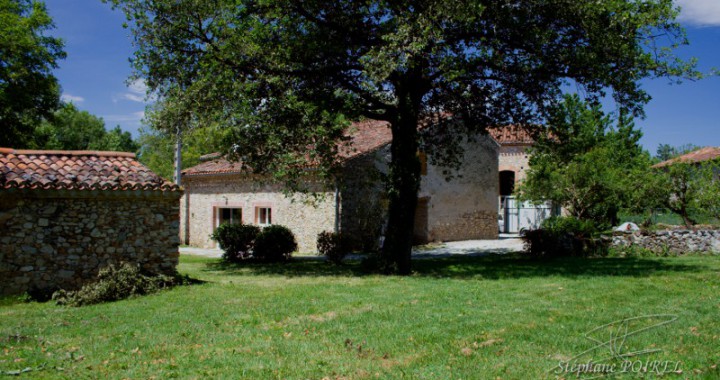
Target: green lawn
[(458, 318)]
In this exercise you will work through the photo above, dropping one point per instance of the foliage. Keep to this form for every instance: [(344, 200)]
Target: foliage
[(28, 90), (565, 237), (585, 164), (157, 148), (666, 151), (332, 245), (287, 75), (684, 188), (708, 198), (70, 128), (236, 240), (116, 140), (115, 284), (274, 243)]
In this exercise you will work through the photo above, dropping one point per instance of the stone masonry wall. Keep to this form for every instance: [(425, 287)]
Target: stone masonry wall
[(514, 158), (204, 195), (670, 241), (49, 243), (466, 206)]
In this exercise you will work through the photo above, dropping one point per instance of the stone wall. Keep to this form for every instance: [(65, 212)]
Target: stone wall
[(206, 194), (461, 208), (670, 241), (52, 239), (514, 158), (465, 206)]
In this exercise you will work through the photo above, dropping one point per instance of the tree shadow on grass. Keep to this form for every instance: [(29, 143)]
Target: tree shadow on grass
[(487, 267)]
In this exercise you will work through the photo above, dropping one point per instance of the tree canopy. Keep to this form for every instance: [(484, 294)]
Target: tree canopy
[(157, 148), (72, 129), (28, 90), (666, 151), (586, 162), (288, 75)]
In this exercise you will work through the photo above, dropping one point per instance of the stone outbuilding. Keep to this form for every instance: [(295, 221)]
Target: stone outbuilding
[(466, 207), (515, 143), (66, 214)]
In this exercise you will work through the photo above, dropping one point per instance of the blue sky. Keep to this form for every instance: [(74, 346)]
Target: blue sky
[(94, 75)]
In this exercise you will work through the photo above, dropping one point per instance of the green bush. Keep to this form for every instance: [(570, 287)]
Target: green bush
[(274, 243), (565, 236), (115, 284), (332, 245), (236, 240)]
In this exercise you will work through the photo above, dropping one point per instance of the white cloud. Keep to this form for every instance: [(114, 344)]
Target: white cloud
[(138, 92), (67, 98), (134, 117), (700, 12)]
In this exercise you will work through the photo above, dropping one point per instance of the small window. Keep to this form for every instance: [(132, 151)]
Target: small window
[(263, 216), (229, 215)]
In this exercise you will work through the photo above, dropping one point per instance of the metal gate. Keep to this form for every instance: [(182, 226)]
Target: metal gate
[(517, 216)]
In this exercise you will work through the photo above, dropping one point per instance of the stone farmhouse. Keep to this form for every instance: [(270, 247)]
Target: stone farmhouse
[(64, 215), (219, 191)]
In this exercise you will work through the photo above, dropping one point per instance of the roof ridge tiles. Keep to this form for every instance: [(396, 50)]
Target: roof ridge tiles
[(70, 153)]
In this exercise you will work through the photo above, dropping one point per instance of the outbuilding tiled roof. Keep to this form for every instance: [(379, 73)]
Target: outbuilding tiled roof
[(77, 170), (365, 136), (214, 164), (700, 155), (512, 134)]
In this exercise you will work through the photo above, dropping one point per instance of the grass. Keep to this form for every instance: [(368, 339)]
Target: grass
[(455, 318)]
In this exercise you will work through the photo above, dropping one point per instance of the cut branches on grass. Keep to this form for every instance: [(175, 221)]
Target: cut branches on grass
[(118, 283)]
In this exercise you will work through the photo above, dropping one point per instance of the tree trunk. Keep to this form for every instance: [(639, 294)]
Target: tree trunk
[(403, 183), (403, 188)]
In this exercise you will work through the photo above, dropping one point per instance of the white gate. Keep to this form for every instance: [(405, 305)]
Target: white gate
[(518, 216)]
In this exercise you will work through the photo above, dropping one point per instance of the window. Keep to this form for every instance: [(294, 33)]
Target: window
[(263, 216), (229, 215)]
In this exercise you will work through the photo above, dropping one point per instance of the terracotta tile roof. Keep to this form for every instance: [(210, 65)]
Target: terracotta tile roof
[(214, 165), (365, 137), (700, 155), (77, 170), (512, 134)]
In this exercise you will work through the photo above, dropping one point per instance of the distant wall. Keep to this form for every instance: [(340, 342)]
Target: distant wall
[(671, 241), (205, 195), (62, 239)]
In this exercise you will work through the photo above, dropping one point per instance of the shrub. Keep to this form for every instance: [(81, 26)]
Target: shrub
[(332, 245), (236, 240), (274, 243), (565, 236), (115, 284)]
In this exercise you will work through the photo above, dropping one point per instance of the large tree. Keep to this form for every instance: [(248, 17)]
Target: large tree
[(28, 90), (287, 75)]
